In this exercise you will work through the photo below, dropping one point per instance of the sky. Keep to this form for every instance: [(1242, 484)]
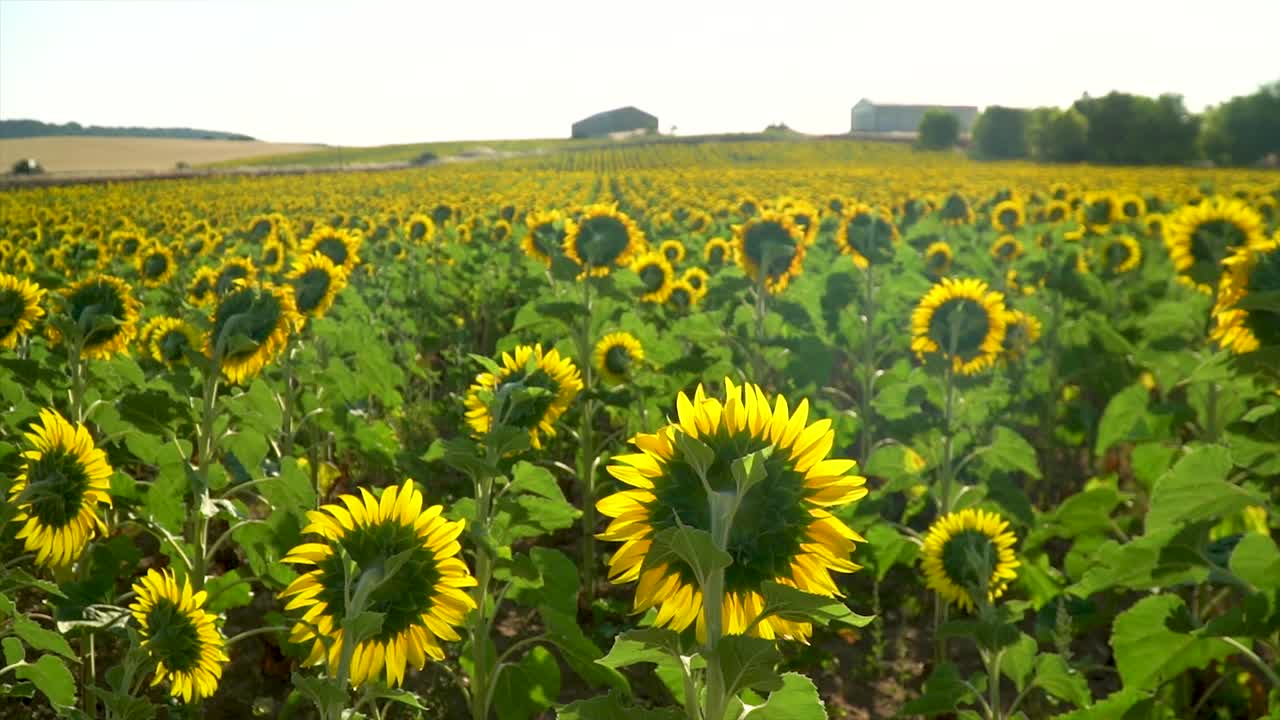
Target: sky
[(373, 72)]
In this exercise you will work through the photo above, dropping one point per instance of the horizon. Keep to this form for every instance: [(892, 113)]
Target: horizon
[(384, 78)]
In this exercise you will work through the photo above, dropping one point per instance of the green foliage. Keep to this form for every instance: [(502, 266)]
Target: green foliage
[(939, 130)]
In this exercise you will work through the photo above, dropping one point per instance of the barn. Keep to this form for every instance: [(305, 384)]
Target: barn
[(628, 120), (870, 117)]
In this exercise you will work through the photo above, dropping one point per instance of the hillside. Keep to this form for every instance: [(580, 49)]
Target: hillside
[(35, 128), (89, 155)]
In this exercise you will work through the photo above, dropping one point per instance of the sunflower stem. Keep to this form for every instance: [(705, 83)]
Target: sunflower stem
[(944, 498), (198, 526), (868, 363), (481, 696), (993, 683), (587, 452), (76, 360), (255, 631), (287, 401)]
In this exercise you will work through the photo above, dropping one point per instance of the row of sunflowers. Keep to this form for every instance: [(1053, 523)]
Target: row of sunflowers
[(648, 433)]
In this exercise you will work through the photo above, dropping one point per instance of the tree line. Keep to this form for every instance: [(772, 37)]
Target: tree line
[(1122, 129), (35, 128)]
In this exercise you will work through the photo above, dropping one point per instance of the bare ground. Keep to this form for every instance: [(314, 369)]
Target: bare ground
[(91, 155)]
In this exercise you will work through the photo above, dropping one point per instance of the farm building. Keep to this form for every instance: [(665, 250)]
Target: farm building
[(628, 120), (873, 118)]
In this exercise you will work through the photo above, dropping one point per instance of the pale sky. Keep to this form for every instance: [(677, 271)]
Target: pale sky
[(373, 73)]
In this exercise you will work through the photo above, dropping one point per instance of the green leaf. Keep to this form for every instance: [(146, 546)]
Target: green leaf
[(1019, 660), (1011, 451), (228, 590), (1123, 419), (1060, 680), (1147, 653), (888, 548), (528, 687), (577, 649), (611, 707), (1085, 512), (799, 606), (1116, 705), (797, 699), (39, 638), (553, 581), (748, 662), (51, 676), (651, 645), (749, 470), (13, 651), (697, 453), (694, 548), (1196, 489), (1256, 560), (943, 693)]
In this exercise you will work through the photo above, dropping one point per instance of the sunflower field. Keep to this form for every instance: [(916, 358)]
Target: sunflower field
[(744, 431)]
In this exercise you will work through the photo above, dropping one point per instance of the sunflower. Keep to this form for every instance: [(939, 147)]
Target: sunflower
[(420, 229), (262, 316), (963, 321), (937, 258), (231, 273), (967, 552), (104, 308), (155, 265), (616, 356), (1007, 248), (179, 634), (262, 227), (1098, 211), (1121, 254), (1008, 216), (602, 237), (682, 295), (63, 480), (867, 235), (1154, 223), (500, 231), (126, 243), (783, 532), (673, 250), (340, 246), (421, 603), (547, 232), (526, 367), (696, 278), (200, 291), (1132, 207), (315, 282), (956, 210), (656, 275), (1243, 330), (1021, 332), (717, 252), (1056, 211), (773, 241), (273, 255), (167, 339), (19, 309), (1199, 237)]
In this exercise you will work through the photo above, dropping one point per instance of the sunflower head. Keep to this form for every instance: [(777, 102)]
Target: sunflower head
[(231, 273), (717, 252), (617, 356), (963, 321), (272, 256), (956, 210), (782, 532), (867, 235), (105, 312), (530, 391), (315, 281), (697, 279), (179, 635), (1057, 211), (500, 231), (656, 275), (1021, 332), (602, 238), (420, 229), (673, 250), (547, 232), (63, 479), (937, 258), (155, 265), (682, 296), (1007, 248), (770, 248), (1099, 210), (19, 309), (1008, 216), (1132, 207), (1242, 330), (249, 327), (1199, 237), (168, 340), (421, 602), (1121, 254), (968, 557), (342, 247)]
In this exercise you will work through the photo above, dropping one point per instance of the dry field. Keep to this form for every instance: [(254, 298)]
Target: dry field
[(116, 154)]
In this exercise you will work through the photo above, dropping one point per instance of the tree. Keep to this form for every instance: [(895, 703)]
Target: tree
[(939, 130), (1055, 135), (1245, 129), (1136, 130), (1000, 133)]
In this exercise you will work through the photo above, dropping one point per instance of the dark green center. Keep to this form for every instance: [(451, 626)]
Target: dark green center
[(174, 639), (250, 312), (652, 277), (770, 523), (617, 360), (56, 484), (955, 208), (201, 287), (938, 260), (716, 255), (969, 322), (872, 237), (1265, 278), (672, 253), (770, 247), (261, 229), (226, 280), (417, 230), (601, 240), (1130, 209), (969, 558), (130, 245), (1057, 213), (1009, 218), (441, 213), (334, 249), (310, 288), (1117, 254), (12, 308), (1006, 249), (401, 598), (154, 266), (529, 411), (173, 346), (1098, 212), (1211, 242), (271, 256), (97, 299), (680, 298)]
